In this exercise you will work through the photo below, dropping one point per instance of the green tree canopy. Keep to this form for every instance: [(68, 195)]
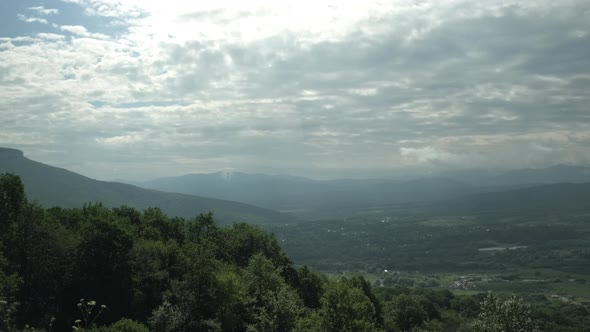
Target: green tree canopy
[(504, 315)]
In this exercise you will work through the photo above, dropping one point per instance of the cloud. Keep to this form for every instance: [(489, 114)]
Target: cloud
[(82, 32), (120, 140), (51, 36), (40, 10), (110, 8), (258, 85), (32, 19)]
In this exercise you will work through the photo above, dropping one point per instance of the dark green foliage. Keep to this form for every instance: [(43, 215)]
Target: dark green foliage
[(362, 284), (504, 314), (345, 308), (122, 325), (310, 287), (7, 312), (278, 311), (158, 226), (231, 294), (155, 265), (467, 305), (405, 312), (9, 282), (561, 317), (12, 198), (243, 241), (103, 268)]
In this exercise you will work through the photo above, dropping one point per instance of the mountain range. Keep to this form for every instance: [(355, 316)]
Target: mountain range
[(456, 192), (308, 198), (266, 199), (528, 176)]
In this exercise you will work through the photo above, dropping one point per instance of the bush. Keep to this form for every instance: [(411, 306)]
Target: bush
[(123, 325)]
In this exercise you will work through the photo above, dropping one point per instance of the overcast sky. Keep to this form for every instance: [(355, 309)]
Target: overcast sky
[(136, 89)]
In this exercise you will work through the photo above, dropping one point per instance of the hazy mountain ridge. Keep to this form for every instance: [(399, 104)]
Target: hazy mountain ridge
[(302, 194), (528, 176), (334, 198), (548, 198), (53, 186), (260, 195)]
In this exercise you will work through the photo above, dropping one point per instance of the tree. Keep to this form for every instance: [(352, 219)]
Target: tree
[(130, 214), (155, 265), (274, 305), (310, 287), (278, 312), (9, 282), (242, 241), (261, 277), (361, 283), (12, 199), (203, 228), (231, 294), (504, 315), (346, 309), (103, 269), (192, 304), (405, 312), (158, 226)]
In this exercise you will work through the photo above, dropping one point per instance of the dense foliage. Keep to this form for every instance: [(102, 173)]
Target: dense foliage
[(119, 269)]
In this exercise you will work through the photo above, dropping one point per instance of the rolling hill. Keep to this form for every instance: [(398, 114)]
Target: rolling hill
[(52, 186)]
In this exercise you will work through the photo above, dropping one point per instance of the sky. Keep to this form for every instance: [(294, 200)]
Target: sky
[(136, 89)]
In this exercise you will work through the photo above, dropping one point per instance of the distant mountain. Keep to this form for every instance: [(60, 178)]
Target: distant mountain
[(554, 174), (310, 198), (477, 177), (488, 191), (550, 198), (521, 177), (52, 186)]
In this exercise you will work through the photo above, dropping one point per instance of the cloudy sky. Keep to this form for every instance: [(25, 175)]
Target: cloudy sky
[(136, 89)]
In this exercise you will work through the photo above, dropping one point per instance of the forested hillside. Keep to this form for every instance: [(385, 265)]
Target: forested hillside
[(120, 269)]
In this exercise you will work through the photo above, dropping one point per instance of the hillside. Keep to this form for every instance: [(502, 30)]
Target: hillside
[(52, 186)]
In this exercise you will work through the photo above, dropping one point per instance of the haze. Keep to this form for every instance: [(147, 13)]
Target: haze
[(140, 89)]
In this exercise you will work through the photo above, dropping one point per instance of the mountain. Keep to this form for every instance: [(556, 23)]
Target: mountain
[(554, 174), (52, 186), (503, 192), (520, 177), (541, 199), (310, 198)]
